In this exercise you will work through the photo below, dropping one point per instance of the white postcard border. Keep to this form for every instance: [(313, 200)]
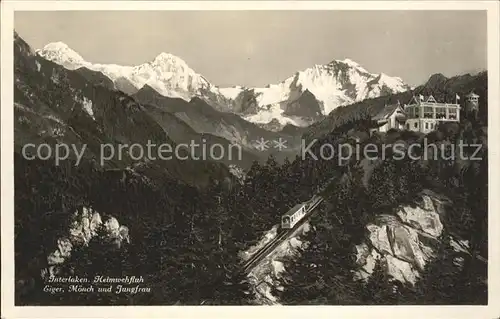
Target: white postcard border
[(7, 185)]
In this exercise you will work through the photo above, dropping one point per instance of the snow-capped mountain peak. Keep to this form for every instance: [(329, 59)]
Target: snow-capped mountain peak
[(386, 78), (337, 83), (59, 46), (166, 73), (61, 53), (334, 84), (168, 58), (349, 62), (170, 76)]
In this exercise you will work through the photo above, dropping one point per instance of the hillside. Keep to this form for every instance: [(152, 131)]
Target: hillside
[(181, 133), (161, 202), (204, 119), (442, 88)]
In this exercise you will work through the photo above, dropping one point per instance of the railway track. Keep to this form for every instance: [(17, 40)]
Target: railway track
[(285, 233), (282, 235)]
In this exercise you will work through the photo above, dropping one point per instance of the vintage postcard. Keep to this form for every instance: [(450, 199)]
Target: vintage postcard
[(164, 159)]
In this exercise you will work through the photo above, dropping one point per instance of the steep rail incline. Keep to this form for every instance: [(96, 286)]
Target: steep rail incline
[(282, 235)]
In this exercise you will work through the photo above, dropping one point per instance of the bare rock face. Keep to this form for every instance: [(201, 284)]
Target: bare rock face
[(425, 219), (84, 226), (86, 223), (405, 242), (266, 274), (112, 226), (62, 252)]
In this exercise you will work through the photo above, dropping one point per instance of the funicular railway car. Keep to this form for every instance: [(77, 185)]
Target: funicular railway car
[(295, 214)]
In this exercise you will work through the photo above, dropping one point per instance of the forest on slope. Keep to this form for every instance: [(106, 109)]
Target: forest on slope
[(187, 219), (185, 239), (323, 274), (442, 88)]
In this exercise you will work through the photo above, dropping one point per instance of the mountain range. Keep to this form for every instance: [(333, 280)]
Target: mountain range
[(54, 105), (73, 100), (301, 99), (191, 222)]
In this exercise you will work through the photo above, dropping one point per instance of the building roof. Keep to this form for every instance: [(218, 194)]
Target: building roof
[(431, 99), (386, 112), (293, 209), (422, 98), (472, 94), (417, 100)]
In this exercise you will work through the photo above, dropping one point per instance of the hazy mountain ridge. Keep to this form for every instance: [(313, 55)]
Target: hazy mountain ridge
[(204, 119)]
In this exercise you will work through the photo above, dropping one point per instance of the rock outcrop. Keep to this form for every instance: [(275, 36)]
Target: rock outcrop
[(266, 274), (404, 242), (84, 227)]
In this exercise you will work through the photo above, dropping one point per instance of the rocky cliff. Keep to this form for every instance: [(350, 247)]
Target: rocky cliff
[(404, 241), (84, 227), (264, 277)]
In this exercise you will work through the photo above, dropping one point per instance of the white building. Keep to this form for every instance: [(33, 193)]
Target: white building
[(422, 114), (392, 116), (425, 113)]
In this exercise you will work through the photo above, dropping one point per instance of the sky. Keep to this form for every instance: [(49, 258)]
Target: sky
[(256, 48)]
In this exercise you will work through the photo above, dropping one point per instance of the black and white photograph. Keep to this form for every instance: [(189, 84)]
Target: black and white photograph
[(264, 157)]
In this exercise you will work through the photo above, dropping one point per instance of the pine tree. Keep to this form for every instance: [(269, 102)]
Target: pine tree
[(380, 289)]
